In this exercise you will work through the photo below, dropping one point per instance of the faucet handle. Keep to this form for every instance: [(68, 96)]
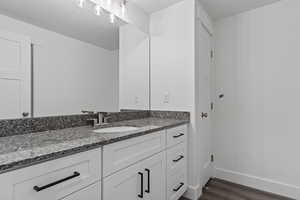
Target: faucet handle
[(105, 119), (92, 122)]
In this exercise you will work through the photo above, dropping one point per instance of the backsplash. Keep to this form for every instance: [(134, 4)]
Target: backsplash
[(31, 125), (170, 114)]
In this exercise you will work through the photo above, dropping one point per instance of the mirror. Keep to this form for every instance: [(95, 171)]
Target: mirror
[(73, 60)]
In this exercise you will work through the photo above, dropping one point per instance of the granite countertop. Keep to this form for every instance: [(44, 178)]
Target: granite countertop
[(24, 150)]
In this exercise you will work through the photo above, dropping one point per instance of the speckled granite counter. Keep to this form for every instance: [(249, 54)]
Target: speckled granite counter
[(19, 151)]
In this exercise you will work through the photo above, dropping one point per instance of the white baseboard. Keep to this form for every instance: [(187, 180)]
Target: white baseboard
[(193, 192), (259, 183)]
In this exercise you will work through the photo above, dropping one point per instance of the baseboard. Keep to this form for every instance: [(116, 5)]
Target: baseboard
[(264, 184), (193, 192)]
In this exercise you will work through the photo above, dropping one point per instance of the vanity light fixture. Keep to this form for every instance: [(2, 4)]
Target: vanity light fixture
[(81, 3), (98, 8), (108, 2), (123, 7)]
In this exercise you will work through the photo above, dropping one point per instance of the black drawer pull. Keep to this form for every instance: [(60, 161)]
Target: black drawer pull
[(141, 195), (148, 174), (178, 159), (178, 188), (38, 189), (177, 136)]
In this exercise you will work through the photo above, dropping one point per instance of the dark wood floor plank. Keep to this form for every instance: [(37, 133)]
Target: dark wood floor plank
[(217, 189)]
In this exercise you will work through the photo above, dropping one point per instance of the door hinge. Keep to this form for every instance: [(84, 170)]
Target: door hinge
[(212, 106), (212, 159)]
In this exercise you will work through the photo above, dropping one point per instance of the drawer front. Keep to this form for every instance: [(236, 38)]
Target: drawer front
[(92, 192), (176, 184), (55, 179), (176, 135), (176, 157), (119, 155)]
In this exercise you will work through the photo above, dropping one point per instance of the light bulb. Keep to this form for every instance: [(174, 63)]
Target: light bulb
[(112, 18), (81, 3), (98, 9), (108, 2), (123, 8)]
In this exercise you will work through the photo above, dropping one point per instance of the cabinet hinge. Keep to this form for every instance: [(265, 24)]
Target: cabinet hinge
[(212, 158), (212, 54), (212, 106)]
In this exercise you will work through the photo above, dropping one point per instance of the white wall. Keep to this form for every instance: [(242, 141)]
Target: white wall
[(256, 139), (69, 75), (172, 57), (137, 17), (134, 68), (173, 74)]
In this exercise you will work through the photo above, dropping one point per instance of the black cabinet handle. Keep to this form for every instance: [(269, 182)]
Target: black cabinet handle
[(148, 174), (141, 195), (38, 189), (177, 136), (178, 159), (178, 188)]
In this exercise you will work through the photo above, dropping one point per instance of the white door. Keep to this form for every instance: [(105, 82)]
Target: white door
[(155, 177), (92, 192), (126, 184), (203, 106), (15, 73)]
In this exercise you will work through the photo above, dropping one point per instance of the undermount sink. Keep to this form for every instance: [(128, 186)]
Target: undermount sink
[(118, 129)]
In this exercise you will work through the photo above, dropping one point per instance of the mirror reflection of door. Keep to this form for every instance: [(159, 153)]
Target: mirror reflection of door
[(14, 76), (84, 61)]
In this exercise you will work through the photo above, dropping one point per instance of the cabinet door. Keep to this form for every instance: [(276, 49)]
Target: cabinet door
[(125, 184), (92, 192), (155, 177)]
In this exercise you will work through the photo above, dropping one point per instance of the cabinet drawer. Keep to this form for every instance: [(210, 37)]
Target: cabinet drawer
[(92, 192), (176, 157), (176, 135), (119, 155), (176, 184), (54, 179)]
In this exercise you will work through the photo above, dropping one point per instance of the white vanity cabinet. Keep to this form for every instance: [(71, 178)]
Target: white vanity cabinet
[(92, 192), (56, 179), (150, 167), (176, 162), (143, 180)]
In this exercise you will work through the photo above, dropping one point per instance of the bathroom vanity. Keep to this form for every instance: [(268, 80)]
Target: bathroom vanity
[(55, 84), (78, 163)]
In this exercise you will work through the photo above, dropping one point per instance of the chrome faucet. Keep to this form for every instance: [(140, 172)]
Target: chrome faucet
[(101, 118)]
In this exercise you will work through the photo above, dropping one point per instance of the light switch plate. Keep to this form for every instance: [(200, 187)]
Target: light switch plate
[(166, 97)]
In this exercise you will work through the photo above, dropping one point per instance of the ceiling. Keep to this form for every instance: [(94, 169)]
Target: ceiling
[(224, 8), (150, 6), (63, 16), (216, 8)]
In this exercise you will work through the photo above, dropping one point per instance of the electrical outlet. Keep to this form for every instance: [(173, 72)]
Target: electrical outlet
[(166, 97), (136, 100)]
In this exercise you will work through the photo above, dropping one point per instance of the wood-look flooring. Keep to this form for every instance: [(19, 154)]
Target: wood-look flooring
[(217, 189)]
